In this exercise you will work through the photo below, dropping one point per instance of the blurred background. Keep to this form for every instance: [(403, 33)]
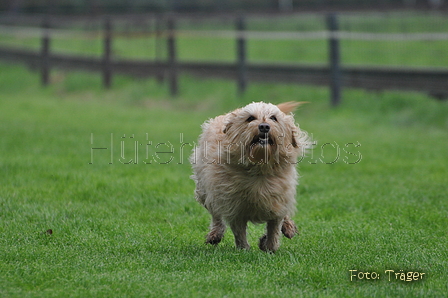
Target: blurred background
[(374, 45), (139, 6)]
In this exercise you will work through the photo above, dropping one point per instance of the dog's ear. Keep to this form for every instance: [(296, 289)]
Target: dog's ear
[(226, 127), (228, 121), (294, 139), (290, 106)]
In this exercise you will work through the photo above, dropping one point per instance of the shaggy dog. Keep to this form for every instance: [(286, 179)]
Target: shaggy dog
[(245, 170)]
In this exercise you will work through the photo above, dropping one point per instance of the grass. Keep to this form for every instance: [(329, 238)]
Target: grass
[(135, 229)]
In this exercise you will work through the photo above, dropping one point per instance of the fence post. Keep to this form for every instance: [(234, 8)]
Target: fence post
[(172, 63), (241, 54), (107, 55), (45, 53), (334, 60), (158, 49)]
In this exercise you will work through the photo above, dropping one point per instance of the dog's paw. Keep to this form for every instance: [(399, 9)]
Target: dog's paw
[(213, 238), (264, 246), (289, 229), (263, 243)]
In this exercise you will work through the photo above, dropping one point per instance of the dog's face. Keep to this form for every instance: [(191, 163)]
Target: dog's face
[(263, 133)]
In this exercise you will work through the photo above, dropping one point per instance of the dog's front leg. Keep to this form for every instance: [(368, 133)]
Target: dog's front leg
[(239, 231), (271, 240), (217, 229), (289, 228)]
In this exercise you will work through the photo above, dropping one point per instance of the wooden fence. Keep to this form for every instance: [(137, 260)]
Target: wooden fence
[(432, 81)]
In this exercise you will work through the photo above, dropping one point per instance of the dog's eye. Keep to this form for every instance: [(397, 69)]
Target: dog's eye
[(250, 119), (273, 118)]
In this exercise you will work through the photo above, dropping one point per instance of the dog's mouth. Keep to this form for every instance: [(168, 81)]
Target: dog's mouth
[(262, 139)]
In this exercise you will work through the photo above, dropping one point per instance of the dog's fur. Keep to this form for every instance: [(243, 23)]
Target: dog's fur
[(245, 170)]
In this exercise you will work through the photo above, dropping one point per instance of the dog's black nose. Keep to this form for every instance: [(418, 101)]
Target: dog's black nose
[(264, 128)]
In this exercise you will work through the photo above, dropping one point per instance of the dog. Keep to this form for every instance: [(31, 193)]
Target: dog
[(244, 168)]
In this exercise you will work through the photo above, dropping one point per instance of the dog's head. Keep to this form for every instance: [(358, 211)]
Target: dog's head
[(264, 133)]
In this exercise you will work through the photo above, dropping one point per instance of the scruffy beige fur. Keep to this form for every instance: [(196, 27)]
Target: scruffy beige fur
[(245, 170)]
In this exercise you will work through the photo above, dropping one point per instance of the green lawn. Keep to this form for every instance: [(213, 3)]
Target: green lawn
[(126, 230)]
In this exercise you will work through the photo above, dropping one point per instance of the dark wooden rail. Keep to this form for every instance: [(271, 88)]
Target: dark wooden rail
[(374, 78)]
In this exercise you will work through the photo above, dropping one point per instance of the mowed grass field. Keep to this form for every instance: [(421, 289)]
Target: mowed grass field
[(83, 222)]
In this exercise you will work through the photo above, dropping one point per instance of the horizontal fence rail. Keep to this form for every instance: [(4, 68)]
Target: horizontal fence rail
[(260, 35), (373, 78), (433, 81)]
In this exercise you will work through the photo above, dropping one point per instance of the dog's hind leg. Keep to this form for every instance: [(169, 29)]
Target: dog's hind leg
[(271, 240), (289, 228), (239, 231), (217, 229)]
